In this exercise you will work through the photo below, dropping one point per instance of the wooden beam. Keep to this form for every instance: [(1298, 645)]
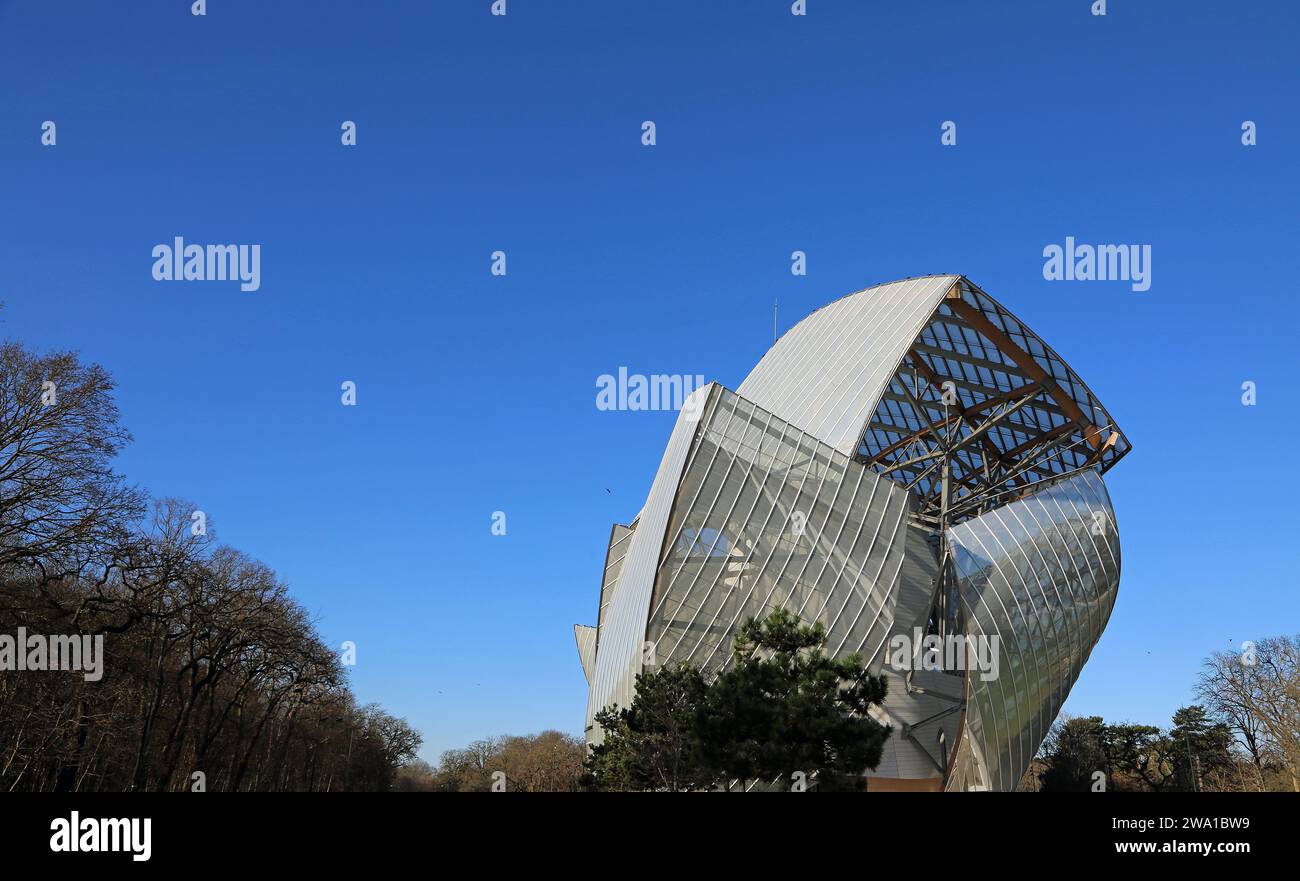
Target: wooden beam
[(978, 321)]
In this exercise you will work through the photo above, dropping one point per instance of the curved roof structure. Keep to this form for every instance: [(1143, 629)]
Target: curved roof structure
[(826, 373), (896, 373), (909, 459)]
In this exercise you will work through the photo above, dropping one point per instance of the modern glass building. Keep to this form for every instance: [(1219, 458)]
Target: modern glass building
[(909, 461)]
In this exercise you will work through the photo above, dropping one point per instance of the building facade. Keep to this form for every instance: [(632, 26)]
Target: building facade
[(911, 466)]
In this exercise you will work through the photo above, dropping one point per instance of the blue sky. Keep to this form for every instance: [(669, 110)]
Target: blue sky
[(523, 133)]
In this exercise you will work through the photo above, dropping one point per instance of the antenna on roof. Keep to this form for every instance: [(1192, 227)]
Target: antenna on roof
[(774, 333)]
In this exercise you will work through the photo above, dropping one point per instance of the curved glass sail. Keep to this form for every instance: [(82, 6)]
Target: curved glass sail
[(1040, 575)]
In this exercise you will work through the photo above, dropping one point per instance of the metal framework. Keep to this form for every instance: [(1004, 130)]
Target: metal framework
[(982, 396)]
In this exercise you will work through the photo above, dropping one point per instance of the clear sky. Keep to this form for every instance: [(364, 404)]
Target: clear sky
[(523, 133)]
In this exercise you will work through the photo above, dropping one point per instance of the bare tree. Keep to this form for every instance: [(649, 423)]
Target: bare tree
[(1257, 695), (61, 504), (546, 762)]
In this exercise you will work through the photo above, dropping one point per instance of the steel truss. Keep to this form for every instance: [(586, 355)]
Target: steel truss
[(980, 411)]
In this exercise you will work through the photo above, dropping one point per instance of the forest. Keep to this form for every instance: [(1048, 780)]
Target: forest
[(213, 677)]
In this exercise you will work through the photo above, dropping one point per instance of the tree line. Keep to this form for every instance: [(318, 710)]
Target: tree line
[(547, 762), (784, 716), (213, 677), (1243, 735)]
